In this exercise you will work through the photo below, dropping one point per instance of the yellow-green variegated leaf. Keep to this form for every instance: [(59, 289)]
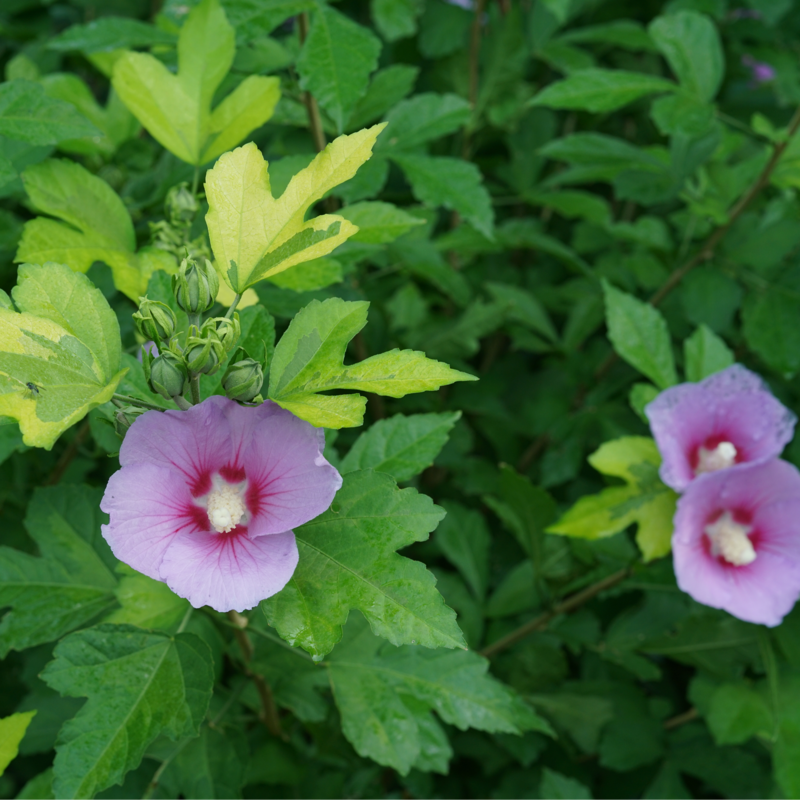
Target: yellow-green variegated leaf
[(309, 359), (255, 235), (60, 356), (643, 500)]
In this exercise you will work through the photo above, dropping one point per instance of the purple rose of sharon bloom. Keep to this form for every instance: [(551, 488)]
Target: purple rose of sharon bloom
[(737, 541), (207, 498), (729, 418)]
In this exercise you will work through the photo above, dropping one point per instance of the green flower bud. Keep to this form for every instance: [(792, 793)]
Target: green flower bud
[(204, 353), (195, 286), (227, 330), (243, 380), (181, 205), (125, 417), (168, 375), (155, 320)]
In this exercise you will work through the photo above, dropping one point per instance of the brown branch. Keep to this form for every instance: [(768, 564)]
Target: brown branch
[(543, 620), (532, 452), (708, 249), (68, 455), (269, 711), (681, 719), (474, 71)]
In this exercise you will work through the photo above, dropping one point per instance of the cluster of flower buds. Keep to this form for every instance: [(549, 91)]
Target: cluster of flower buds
[(125, 417), (177, 361)]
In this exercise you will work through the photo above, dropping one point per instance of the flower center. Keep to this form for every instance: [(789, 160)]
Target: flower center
[(225, 507), (730, 540), (720, 457)]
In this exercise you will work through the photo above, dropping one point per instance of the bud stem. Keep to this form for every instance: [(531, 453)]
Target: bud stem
[(194, 383), (233, 306), (195, 319), (182, 403)]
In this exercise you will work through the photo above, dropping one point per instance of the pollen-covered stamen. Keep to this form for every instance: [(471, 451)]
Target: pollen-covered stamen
[(720, 457), (730, 540), (225, 506)]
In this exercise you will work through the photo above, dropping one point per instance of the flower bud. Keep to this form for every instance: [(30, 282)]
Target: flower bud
[(195, 286), (243, 380), (181, 205), (125, 417), (204, 352), (168, 375), (155, 321), (227, 330)]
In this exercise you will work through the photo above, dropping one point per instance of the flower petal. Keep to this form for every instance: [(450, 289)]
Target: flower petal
[(290, 482), (229, 572), (148, 505), (195, 442)]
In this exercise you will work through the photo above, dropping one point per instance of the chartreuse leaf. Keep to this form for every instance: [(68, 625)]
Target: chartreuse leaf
[(348, 560), (336, 61), (705, 353), (70, 583), (140, 684), (644, 499), (94, 226), (176, 109), (255, 235), (29, 115), (401, 446), (386, 694), (640, 335), (65, 344), (12, 729), (309, 359), (379, 223), (600, 90)]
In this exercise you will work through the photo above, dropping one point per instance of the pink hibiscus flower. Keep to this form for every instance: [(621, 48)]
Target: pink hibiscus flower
[(206, 499), (730, 418), (736, 543)]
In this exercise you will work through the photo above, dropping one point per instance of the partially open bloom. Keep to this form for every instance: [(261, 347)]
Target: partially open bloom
[(207, 498), (737, 541), (730, 418)]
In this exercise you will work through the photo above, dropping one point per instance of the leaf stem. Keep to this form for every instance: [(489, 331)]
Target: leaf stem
[(543, 620), (134, 401), (269, 713), (233, 305), (196, 180)]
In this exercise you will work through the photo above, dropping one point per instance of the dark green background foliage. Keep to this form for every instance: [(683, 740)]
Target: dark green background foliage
[(560, 160)]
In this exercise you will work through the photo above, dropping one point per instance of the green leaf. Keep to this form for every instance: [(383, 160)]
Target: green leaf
[(379, 223), (600, 90), (146, 603), (770, 329), (140, 684), (705, 353), (622, 33), (336, 61), (395, 19), (95, 225), (212, 765), (309, 359), (643, 499), (386, 89), (523, 308), (12, 729), (559, 787), (176, 109), (464, 538), (450, 182), (372, 682), (310, 276), (599, 150), (401, 446), (348, 560), (690, 43), (110, 33), (70, 583), (253, 235), (422, 118), (737, 713), (64, 346), (640, 335), (29, 115)]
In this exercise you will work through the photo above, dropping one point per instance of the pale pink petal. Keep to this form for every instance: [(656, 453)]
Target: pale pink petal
[(148, 506), (229, 571), (289, 481), (195, 442)]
